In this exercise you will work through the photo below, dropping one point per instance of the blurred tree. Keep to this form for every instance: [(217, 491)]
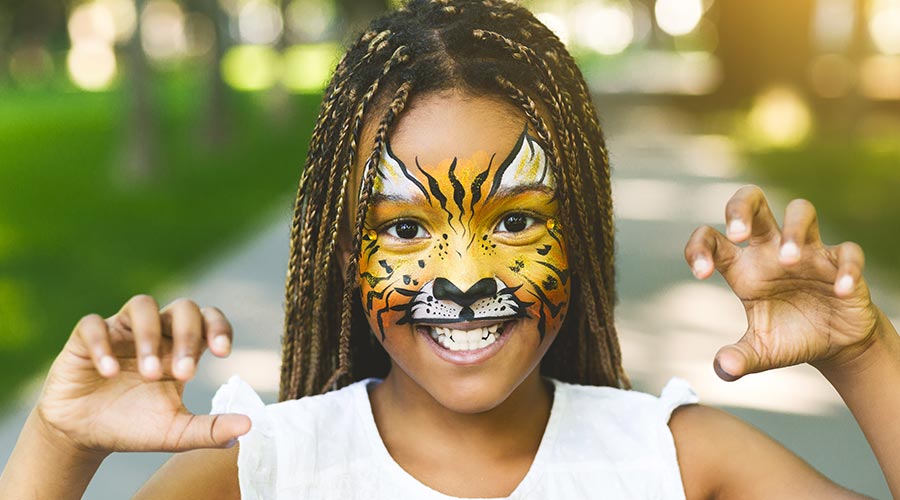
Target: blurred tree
[(761, 43), (356, 14), (139, 162)]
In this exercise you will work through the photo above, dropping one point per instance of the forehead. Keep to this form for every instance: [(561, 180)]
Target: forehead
[(438, 126)]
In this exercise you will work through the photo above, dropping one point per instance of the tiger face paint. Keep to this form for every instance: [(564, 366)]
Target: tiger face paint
[(465, 247)]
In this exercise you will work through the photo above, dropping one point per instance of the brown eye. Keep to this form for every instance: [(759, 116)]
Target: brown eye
[(515, 223), (407, 230)]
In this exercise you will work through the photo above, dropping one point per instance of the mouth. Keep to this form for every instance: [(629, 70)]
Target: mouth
[(467, 336)]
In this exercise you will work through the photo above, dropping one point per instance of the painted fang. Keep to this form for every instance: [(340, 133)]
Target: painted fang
[(465, 246)]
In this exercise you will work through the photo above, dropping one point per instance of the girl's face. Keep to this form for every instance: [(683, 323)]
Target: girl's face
[(463, 270)]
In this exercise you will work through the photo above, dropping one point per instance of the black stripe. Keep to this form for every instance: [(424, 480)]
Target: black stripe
[(436, 192), (459, 192), (406, 173), (498, 175), (563, 274)]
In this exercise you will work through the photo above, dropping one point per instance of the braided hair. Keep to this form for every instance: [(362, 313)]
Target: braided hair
[(484, 47)]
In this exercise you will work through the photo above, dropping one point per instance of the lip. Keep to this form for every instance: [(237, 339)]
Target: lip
[(468, 358)]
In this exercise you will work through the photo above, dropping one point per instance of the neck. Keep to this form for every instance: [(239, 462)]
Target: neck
[(408, 416)]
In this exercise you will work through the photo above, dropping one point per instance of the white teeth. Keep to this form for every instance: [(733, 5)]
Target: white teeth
[(465, 340)]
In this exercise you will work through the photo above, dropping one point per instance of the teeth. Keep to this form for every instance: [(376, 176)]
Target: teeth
[(465, 340)]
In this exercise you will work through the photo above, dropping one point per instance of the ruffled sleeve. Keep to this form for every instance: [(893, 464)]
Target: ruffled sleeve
[(677, 392), (257, 454)]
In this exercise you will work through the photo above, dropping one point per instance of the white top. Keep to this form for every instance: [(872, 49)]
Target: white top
[(599, 442)]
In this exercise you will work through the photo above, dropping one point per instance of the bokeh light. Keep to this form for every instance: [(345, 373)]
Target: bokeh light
[(163, 30), (678, 17), (92, 22), (832, 24), (879, 77), (91, 65), (124, 17), (831, 75), (31, 66), (605, 28), (309, 21), (779, 118), (308, 67), (884, 26), (556, 24), (260, 22), (251, 67)]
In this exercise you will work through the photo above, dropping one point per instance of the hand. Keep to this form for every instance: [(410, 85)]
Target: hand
[(97, 399), (805, 302)]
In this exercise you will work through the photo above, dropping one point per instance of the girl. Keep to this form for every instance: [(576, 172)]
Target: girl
[(450, 288)]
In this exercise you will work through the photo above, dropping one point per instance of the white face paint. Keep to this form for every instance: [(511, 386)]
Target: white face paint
[(528, 167)]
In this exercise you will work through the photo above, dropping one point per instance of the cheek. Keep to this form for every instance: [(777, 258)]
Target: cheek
[(383, 279), (542, 270)]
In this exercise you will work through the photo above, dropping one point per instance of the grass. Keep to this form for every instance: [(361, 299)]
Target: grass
[(74, 239), (854, 186)]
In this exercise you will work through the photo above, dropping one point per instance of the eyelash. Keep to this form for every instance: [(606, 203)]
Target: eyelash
[(391, 229)]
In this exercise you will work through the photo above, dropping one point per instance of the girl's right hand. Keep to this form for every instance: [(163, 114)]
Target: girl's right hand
[(118, 382)]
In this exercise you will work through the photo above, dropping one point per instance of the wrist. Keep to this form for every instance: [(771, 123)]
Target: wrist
[(879, 346), (61, 445)]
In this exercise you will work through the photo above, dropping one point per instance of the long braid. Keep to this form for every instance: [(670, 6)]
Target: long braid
[(394, 109)]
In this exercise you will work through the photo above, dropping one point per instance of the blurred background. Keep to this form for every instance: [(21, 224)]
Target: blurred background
[(154, 146)]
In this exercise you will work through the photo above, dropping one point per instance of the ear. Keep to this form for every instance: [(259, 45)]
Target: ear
[(343, 250)]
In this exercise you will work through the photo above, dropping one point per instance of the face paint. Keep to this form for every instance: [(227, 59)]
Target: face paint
[(466, 240)]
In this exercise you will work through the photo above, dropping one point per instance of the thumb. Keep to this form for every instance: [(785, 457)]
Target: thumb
[(210, 431), (736, 360)]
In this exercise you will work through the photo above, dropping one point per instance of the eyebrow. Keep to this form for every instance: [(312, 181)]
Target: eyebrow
[(377, 198), (524, 188)]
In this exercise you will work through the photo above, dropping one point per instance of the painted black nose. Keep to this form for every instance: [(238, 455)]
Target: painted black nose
[(445, 290)]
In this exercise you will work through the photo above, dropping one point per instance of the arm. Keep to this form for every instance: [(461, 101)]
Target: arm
[(36, 447), (806, 302), (203, 473), (869, 382), (722, 457)]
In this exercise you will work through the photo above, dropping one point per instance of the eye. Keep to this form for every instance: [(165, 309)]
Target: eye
[(407, 230), (515, 223)]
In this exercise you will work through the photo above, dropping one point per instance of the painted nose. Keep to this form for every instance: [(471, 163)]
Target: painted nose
[(446, 290)]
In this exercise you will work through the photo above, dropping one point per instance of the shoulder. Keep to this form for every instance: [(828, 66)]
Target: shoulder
[(723, 457)]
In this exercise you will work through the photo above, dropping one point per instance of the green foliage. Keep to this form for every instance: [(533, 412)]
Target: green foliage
[(75, 239), (854, 187)]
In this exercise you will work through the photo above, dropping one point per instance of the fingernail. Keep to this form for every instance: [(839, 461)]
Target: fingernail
[(790, 251), (107, 365), (221, 343), (151, 364), (701, 265), (185, 366), (845, 283), (737, 227), (230, 444), (722, 373)]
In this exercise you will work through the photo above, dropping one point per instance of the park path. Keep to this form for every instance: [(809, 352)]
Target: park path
[(666, 182)]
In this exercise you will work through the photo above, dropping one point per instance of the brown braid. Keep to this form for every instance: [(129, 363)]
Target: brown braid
[(489, 47)]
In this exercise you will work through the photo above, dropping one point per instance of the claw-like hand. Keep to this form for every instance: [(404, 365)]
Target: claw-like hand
[(806, 302), (118, 382)]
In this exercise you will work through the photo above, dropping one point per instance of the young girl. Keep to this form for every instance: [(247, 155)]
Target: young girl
[(450, 289)]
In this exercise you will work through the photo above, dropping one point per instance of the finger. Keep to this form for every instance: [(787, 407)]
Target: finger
[(801, 229), (707, 250), (93, 332), (219, 333), (736, 360), (186, 328), (850, 262), (141, 316), (747, 215), (209, 431)]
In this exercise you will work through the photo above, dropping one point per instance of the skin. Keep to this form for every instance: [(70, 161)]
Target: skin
[(807, 304)]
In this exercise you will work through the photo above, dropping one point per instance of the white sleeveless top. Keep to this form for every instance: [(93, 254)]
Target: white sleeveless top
[(599, 442)]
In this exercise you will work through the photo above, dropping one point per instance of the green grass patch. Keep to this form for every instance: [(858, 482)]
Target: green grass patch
[(75, 239), (856, 189)]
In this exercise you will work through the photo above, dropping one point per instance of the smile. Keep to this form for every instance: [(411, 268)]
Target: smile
[(466, 340)]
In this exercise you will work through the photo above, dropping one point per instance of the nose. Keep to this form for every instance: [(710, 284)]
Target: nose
[(444, 289)]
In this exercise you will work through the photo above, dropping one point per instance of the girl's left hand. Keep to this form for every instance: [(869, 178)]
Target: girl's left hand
[(806, 302)]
